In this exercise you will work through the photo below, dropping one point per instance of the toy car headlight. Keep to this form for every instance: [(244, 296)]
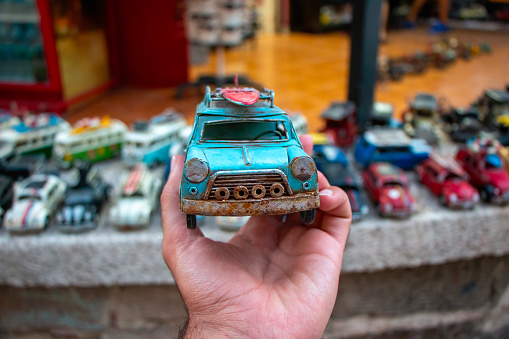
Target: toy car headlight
[(303, 168), (196, 170), (453, 198), (475, 197)]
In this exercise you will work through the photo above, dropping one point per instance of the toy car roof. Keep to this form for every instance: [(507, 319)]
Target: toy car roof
[(498, 95), (382, 110), (449, 164), (484, 144), (339, 110), (387, 137), (33, 122), (424, 101), (214, 103), (387, 172)]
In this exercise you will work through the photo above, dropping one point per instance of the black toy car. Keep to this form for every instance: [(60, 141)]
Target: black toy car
[(463, 124), (6, 194), (20, 167), (84, 201)]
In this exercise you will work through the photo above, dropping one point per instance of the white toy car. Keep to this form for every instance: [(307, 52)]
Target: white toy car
[(36, 200), (137, 199)]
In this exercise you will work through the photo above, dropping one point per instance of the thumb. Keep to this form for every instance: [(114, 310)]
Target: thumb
[(176, 236)]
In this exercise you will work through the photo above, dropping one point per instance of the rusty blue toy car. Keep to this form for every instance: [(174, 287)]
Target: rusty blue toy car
[(244, 158)]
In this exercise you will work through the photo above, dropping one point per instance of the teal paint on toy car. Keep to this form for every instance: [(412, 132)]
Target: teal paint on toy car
[(233, 149)]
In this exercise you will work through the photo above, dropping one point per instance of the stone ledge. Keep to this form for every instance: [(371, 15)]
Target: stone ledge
[(106, 257)]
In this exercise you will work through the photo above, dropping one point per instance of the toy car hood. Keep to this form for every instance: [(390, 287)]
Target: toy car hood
[(461, 188), (500, 179), (131, 208), (24, 213), (246, 157), (398, 197)]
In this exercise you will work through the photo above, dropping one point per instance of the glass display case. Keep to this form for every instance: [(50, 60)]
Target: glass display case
[(22, 57)]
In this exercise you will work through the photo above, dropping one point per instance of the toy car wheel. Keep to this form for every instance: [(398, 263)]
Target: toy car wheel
[(45, 223), (307, 217), (191, 221), (485, 196)]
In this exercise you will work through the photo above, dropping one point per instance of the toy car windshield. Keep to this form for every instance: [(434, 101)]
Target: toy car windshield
[(242, 130)]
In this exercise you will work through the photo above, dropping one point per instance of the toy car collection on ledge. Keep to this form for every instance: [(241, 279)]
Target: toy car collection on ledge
[(243, 157)]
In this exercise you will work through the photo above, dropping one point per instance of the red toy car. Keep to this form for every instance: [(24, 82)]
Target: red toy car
[(486, 170), (388, 187), (340, 122), (445, 178)]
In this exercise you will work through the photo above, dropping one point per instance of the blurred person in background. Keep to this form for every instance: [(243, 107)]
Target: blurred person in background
[(440, 26)]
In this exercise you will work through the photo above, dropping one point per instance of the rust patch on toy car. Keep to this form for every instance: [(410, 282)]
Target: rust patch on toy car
[(266, 206)]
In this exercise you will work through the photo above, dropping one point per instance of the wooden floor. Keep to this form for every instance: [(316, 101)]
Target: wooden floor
[(309, 71)]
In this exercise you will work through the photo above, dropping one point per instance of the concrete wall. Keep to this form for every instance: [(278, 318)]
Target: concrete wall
[(468, 298)]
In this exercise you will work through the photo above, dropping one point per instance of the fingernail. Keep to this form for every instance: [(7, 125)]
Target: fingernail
[(172, 166), (326, 192)]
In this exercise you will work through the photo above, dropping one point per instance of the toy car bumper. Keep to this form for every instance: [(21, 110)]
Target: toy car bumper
[(398, 214), (467, 204), (500, 199), (267, 206)]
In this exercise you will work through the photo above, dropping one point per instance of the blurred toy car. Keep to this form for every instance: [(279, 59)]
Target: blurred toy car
[(462, 124), (36, 200), (493, 104), (6, 194), (486, 169), (137, 200), (83, 202), (7, 121), (149, 142), (382, 114), (245, 158), (179, 147), (340, 122), (21, 167), (421, 121), (446, 179), (390, 145), (300, 123), (388, 186), (33, 134), (90, 140)]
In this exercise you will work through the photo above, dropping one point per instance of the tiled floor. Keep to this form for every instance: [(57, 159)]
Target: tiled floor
[(308, 71)]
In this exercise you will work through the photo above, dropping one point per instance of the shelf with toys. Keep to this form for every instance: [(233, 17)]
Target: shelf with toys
[(109, 213)]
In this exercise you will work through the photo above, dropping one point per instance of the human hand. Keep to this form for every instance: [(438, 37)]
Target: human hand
[(273, 279)]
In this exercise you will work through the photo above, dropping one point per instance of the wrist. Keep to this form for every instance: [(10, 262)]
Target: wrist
[(202, 327)]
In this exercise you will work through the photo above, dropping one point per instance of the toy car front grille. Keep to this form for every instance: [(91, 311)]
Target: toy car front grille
[(232, 181)]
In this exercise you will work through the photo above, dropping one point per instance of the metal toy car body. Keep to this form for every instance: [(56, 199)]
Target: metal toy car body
[(83, 202), (446, 179), (388, 186), (6, 194), (7, 121), (137, 200), (21, 166), (333, 164), (36, 199), (463, 124), (149, 142), (382, 114), (33, 134), (90, 140), (340, 122), (245, 158), (493, 104), (421, 121), (486, 169), (390, 145)]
